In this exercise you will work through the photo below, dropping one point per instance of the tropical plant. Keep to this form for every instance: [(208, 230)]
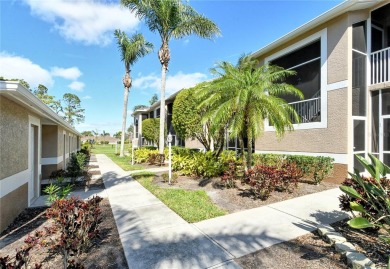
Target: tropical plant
[(171, 19), (58, 190), (374, 202), (187, 121), (131, 50), (244, 95)]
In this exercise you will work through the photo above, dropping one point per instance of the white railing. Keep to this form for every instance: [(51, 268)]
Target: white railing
[(380, 71), (308, 110)]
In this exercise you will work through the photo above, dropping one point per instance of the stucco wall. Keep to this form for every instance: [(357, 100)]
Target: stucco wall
[(13, 130), (49, 141), (337, 42), (12, 204), (48, 169), (193, 143), (333, 139)]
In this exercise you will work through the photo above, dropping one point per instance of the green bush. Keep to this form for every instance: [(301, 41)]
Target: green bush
[(141, 155), (76, 165), (315, 168)]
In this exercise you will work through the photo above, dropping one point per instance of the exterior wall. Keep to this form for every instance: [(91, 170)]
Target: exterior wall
[(49, 141), (14, 127), (48, 169), (12, 204), (193, 143), (337, 50), (333, 139)]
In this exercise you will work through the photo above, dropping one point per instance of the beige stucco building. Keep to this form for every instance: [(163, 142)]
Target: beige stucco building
[(34, 141), (342, 60)]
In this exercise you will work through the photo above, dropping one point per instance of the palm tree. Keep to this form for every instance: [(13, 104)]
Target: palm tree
[(170, 18), (244, 95), (131, 50)]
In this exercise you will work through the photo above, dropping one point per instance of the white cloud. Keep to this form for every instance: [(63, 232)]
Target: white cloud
[(87, 21), (23, 68), (71, 73), (186, 41), (87, 97), (174, 83), (77, 86)]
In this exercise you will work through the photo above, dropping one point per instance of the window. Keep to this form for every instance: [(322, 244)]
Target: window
[(306, 62)]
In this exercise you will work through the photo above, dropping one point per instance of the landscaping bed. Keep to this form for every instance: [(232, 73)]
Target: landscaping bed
[(106, 253)]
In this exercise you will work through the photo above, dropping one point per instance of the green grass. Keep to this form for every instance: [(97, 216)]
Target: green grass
[(109, 150), (193, 206)]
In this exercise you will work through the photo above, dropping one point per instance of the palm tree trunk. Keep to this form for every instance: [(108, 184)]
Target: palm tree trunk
[(124, 116), (241, 141), (249, 159), (127, 85), (162, 109)]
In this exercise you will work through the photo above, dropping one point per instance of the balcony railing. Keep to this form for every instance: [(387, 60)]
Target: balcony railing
[(309, 110), (380, 71)]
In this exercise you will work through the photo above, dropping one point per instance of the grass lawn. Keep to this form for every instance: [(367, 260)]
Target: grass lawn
[(193, 206), (109, 150)]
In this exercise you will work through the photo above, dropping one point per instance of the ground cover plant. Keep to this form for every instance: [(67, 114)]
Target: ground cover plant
[(193, 206)]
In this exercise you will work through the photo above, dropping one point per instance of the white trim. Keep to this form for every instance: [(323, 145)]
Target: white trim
[(338, 157), (337, 85), (11, 183), (322, 36), (51, 160), (36, 122)]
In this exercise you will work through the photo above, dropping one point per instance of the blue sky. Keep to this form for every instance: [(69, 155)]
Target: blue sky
[(68, 46)]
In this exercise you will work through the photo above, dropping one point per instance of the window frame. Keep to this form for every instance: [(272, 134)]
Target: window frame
[(322, 36)]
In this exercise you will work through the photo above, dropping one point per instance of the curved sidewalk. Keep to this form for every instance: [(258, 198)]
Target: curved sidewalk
[(153, 236)]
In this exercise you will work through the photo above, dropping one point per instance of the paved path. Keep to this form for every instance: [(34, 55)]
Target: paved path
[(153, 236)]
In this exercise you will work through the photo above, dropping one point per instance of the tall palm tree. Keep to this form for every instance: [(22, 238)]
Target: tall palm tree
[(244, 95), (170, 18), (131, 50)]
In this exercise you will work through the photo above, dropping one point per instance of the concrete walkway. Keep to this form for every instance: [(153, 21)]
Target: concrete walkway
[(153, 236)]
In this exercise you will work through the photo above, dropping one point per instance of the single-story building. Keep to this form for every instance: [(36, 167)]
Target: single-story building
[(34, 142)]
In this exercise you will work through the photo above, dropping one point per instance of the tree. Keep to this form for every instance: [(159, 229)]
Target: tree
[(150, 130), (154, 99), (73, 113), (131, 50), (118, 134), (136, 107), (87, 133), (42, 93), (244, 95), (170, 18), (187, 121)]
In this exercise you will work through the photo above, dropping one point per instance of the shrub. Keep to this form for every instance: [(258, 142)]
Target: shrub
[(232, 173), (77, 222), (315, 168), (76, 165), (141, 155), (264, 179), (58, 173), (152, 157)]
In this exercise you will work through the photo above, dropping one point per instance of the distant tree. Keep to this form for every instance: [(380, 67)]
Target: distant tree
[(130, 129), (170, 19), (21, 81), (131, 50), (42, 93), (154, 99), (87, 133), (118, 134), (104, 134), (150, 130), (73, 113), (139, 107)]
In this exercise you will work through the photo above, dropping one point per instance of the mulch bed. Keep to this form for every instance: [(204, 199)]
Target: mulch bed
[(107, 253)]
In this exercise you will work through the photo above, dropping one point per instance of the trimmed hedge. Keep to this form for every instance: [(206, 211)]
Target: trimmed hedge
[(315, 168)]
